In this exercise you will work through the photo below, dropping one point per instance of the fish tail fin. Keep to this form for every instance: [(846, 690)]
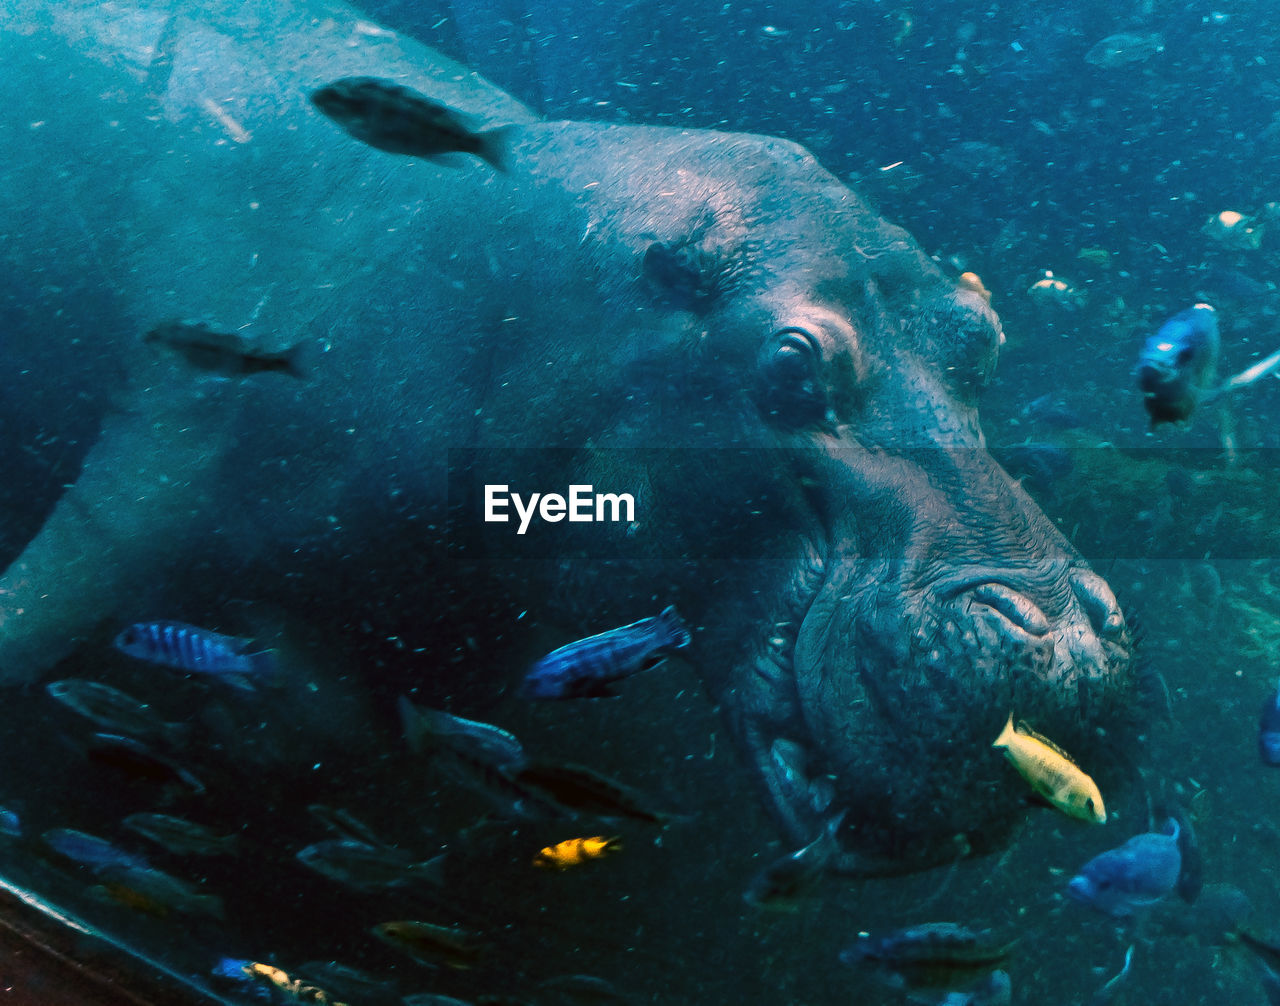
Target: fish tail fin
[(299, 359), (411, 722), (264, 666), (1006, 735), (674, 632), (495, 148), (612, 844), (432, 870)]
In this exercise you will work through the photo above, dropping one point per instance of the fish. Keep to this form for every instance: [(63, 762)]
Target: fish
[(10, 823), (1267, 954), (368, 867), (433, 945), (576, 851), (580, 789), (224, 355), (343, 823), (938, 954), (400, 120), (198, 651), (1052, 291), (582, 989), (1038, 465), (785, 882), (1124, 48), (145, 885), (133, 758), (1178, 364), (1232, 229), (115, 711), (180, 836), (1135, 875), (347, 981), (1051, 773), (270, 980), (508, 796), (586, 668), (1269, 729), (1052, 411), (428, 729), (90, 850), (1107, 992)]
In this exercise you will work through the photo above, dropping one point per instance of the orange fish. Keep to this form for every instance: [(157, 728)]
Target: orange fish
[(575, 851)]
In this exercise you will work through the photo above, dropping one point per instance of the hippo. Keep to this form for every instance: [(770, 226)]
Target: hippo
[(707, 323)]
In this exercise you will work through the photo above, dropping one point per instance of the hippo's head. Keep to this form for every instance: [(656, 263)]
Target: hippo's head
[(874, 594)]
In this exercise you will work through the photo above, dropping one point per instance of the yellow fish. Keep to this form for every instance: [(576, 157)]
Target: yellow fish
[(1052, 773), (574, 851)]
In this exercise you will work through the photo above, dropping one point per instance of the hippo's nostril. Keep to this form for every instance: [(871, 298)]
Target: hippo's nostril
[(1017, 608), (1098, 603)]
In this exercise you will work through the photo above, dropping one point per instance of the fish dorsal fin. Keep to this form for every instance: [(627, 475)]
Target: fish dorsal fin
[(1026, 731)]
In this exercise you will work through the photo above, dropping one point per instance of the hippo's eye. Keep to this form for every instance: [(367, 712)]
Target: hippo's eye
[(793, 393)]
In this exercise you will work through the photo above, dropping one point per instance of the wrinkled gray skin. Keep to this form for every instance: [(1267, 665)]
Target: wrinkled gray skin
[(871, 593)]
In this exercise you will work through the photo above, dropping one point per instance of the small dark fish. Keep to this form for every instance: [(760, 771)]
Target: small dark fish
[(90, 850), (149, 886), (1053, 412), (1039, 465), (180, 836), (1139, 873), (343, 823), (585, 990), (222, 354), (347, 981), (197, 651), (942, 954), (585, 791), (1107, 992), (789, 766), (509, 797), (1237, 285), (1269, 729), (1177, 365), (1124, 48), (586, 668), (133, 758), (368, 867), (433, 945), (399, 120), (788, 880), (114, 710), (429, 729)]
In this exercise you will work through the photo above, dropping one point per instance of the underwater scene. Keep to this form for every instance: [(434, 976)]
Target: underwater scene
[(765, 503)]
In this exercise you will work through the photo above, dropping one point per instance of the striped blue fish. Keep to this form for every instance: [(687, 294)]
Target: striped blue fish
[(585, 669), (198, 651)]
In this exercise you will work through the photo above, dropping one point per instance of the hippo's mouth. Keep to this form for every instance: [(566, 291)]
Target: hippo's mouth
[(879, 688)]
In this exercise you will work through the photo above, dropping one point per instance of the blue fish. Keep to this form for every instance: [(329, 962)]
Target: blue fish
[(1139, 873), (198, 651), (1178, 363), (90, 850), (1269, 730), (586, 668)]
